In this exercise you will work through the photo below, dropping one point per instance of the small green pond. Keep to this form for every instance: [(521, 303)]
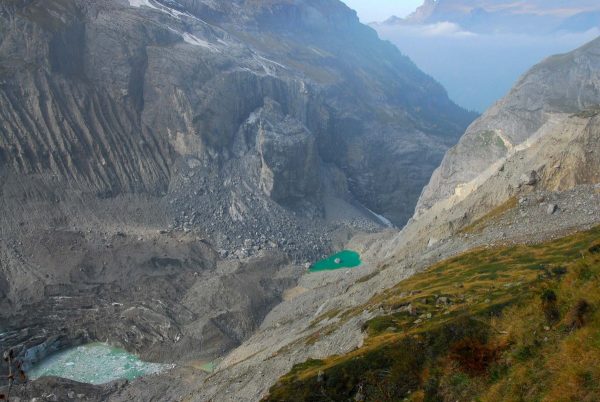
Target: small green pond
[(95, 363), (208, 367), (343, 259)]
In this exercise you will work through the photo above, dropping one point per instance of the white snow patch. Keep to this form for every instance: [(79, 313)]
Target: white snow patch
[(194, 40), (160, 7), (140, 3), (165, 9), (269, 66), (187, 37), (385, 221), (271, 61), (253, 118)]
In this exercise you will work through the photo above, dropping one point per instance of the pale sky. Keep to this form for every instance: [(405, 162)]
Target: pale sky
[(379, 10)]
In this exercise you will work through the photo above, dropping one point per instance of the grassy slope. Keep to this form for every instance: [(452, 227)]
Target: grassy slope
[(521, 323)]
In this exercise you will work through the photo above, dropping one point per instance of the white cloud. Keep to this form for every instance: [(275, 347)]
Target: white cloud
[(443, 29)]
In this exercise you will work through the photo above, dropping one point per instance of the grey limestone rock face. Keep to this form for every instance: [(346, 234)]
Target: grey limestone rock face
[(552, 208), (289, 156), (529, 179), (289, 164), (107, 96), (563, 85)]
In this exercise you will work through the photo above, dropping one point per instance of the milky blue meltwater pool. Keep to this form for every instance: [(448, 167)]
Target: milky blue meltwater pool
[(95, 363)]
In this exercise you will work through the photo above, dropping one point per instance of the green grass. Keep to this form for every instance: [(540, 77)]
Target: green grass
[(588, 113), (368, 277), (522, 324), (490, 137), (494, 214)]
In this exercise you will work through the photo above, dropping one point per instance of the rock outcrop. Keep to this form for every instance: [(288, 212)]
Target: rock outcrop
[(106, 97), (289, 157), (555, 103)]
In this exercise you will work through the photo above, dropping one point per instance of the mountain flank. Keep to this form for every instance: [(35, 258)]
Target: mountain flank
[(350, 336), (167, 168)]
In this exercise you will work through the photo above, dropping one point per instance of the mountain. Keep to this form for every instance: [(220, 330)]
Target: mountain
[(167, 168), (495, 274), (509, 16), (486, 46), (471, 327), (462, 281), (559, 95), (97, 92), (474, 291)]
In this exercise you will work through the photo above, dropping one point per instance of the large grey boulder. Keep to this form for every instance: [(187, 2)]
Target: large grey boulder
[(529, 179), (289, 156)]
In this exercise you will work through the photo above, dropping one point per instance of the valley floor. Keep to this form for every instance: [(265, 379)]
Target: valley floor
[(319, 328)]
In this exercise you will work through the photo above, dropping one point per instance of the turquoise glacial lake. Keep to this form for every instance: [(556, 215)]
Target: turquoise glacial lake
[(95, 363), (343, 259)]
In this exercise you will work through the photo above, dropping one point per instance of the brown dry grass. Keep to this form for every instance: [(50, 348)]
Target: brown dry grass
[(481, 223), (519, 356)]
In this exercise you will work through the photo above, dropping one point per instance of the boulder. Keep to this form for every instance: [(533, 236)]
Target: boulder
[(289, 156), (529, 179)]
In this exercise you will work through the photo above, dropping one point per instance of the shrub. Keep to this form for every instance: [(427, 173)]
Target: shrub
[(584, 272), (559, 271), (473, 356), (576, 317), (550, 306)]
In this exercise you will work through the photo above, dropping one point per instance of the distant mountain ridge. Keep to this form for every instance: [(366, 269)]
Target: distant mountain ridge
[(486, 45), (509, 16)]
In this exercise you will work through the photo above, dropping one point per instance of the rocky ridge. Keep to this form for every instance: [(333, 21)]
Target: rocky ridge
[(548, 105), (507, 16)]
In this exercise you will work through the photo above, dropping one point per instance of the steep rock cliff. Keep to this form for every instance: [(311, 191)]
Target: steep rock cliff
[(106, 96), (559, 97)]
